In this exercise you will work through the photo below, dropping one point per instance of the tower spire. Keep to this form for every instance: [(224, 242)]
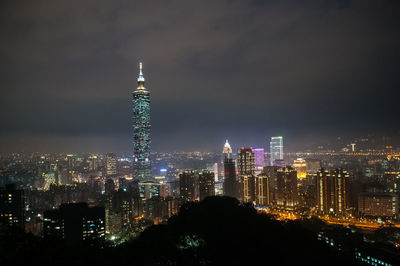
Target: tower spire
[(227, 150), (141, 77)]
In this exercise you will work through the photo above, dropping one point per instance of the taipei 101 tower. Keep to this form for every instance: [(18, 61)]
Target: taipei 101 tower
[(141, 131)]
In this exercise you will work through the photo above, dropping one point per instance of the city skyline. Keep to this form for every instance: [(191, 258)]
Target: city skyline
[(65, 87), (269, 123)]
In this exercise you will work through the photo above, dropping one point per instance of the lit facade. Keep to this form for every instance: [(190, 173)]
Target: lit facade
[(93, 163), (246, 171), (272, 173), (227, 150), (141, 131), (301, 168), (187, 185), (226, 154), (149, 189), (247, 188), (262, 190), (276, 148), (111, 164), (259, 159), (332, 191), (246, 162), (118, 211), (286, 187)]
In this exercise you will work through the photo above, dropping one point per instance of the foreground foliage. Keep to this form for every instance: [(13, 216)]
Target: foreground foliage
[(216, 231)]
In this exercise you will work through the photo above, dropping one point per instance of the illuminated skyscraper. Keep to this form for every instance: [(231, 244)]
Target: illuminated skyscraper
[(227, 150), (93, 163), (230, 184), (141, 131), (259, 159), (245, 162), (111, 164), (247, 187), (262, 190), (276, 146), (187, 185), (286, 187), (226, 154), (246, 170), (272, 173), (332, 191), (70, 171)]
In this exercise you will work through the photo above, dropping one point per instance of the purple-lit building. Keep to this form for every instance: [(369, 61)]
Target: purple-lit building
[(259, 159)]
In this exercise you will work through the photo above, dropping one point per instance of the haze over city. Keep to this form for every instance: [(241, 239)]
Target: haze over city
[(244, 70), (199, 132)]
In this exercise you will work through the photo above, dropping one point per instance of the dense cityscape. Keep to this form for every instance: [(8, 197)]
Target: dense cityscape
[(254, 132), (113, 198)]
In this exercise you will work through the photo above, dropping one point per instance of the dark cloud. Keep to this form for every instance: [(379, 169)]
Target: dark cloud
[(239, 69)]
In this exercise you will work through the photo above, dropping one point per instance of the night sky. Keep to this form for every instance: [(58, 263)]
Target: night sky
[(242, 70)]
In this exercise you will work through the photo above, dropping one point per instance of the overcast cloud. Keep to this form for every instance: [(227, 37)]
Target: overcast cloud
[(243, 70)]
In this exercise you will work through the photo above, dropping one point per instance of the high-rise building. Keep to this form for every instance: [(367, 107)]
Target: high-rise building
[(217, 173), (286, 187), (230, 184), (246, 162), (12, 206), (226, 154), (247, 189), (149, 189), (111, 164), (276, 146), (206, 184), (259, 159), (272, 173), (75, 222), (332, 191), (246, 171), (187, 185), (69, 173), (119, 211), (141, 131), (227, 150), (93, 163), (262, 190)]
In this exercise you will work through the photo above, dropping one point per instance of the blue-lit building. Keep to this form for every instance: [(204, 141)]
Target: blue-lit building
[(141, 131), (276, 146)]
